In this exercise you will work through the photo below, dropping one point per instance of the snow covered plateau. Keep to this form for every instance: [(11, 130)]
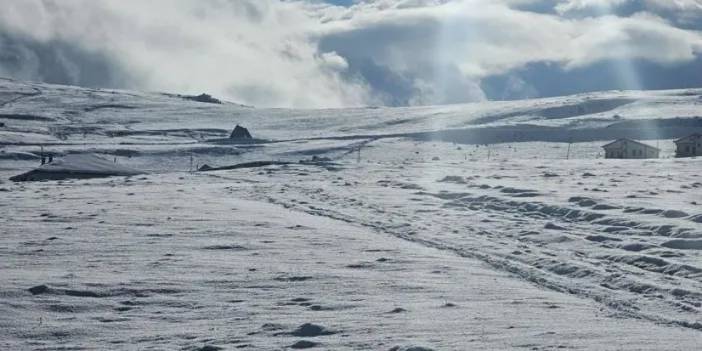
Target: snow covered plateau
[(486, 226)]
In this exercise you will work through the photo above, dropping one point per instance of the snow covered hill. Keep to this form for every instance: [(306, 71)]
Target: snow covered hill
[(34, 113), (481, 226)]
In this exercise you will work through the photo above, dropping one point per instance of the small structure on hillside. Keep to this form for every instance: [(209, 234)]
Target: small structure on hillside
[(238, 136), (240, 132), (203, 98), (75, 166), (689, 146), (628, 148)]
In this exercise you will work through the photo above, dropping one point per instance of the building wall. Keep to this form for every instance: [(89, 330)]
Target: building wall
[(630, 150), (689, 147)]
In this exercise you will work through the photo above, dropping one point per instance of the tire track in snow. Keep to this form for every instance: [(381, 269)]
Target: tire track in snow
[(378, 217), (21, 96)]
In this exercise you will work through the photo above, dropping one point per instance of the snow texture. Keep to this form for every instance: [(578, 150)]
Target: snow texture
[(484, 226)]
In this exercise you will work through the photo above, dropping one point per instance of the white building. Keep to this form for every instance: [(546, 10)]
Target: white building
[(689, 146), (627, 148)]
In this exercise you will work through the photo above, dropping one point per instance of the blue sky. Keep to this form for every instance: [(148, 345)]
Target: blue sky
[(336, 53)]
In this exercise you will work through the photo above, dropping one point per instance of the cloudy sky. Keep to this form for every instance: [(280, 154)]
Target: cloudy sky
[(334, 53)]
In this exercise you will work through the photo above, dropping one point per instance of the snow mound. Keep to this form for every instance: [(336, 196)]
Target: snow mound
[(77, 166)]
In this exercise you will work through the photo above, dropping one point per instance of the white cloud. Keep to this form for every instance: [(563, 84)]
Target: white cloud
[(681, 12), (639, 37), (482, 38), (310, 54), (257, 51)]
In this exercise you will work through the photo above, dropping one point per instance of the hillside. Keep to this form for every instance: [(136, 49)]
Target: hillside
[(40, 113), (493, 225)]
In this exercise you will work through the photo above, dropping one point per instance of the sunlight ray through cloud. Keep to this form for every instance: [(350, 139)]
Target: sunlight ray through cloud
[(623, 61)]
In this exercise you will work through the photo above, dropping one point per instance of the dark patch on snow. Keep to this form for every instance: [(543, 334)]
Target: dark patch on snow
[(605, 207), (304, 344), (225, 247), (107, 106), (46, 290), (39, 289), (398, 310), (210, 348), (309, 330), (207, 168), (636, 247), (362, 265), (24, 117), (515, 191), (553, 226), (293, 279), (683, 244), (410, 348), (674, 214)]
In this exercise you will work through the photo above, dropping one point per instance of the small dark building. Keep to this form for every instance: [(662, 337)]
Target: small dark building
[(689, 146), (240, 132), (204, 98)]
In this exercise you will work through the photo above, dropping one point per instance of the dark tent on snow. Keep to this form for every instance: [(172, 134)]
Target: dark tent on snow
[(240, 132)]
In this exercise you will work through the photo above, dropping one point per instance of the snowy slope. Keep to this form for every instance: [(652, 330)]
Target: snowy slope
[(76, 114), (414, 232)]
